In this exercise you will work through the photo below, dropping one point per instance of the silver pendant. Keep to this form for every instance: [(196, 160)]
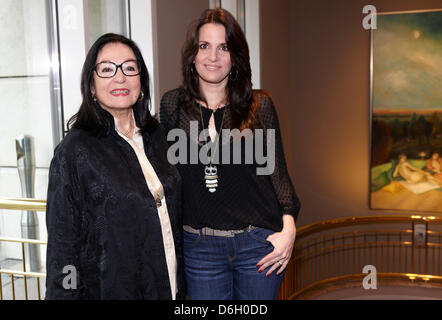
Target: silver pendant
[(211, 177)]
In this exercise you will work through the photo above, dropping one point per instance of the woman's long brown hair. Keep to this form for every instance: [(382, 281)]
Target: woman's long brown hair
[(239, 87)]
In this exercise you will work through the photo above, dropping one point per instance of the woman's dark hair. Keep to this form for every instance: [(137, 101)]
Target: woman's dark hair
[(89, 117), (239, 87)]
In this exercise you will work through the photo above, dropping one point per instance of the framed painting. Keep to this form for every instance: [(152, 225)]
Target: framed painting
[(406, 112)]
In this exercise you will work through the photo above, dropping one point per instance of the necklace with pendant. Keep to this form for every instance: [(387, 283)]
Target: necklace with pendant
[(131, 126), (211, 176)]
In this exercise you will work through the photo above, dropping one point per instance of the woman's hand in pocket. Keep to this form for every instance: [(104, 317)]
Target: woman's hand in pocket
[(283, 243)]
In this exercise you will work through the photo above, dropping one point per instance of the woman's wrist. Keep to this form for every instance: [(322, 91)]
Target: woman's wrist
[(288, 223)]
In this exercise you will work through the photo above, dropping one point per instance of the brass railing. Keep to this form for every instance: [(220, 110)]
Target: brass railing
[(325, 253), (336, 251), (31, 205)]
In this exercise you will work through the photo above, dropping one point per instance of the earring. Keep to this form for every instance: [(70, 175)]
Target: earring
[(233, 75), (193, 70), (141, 96)]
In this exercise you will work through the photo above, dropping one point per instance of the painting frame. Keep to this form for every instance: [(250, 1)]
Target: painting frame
[(389, 178)]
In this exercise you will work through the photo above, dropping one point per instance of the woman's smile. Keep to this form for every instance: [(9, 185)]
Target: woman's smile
[(120, 92)]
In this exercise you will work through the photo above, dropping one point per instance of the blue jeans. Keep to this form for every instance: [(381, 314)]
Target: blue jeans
[(224, 268)]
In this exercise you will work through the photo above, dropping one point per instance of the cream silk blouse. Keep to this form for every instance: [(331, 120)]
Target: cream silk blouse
[(156, 188)]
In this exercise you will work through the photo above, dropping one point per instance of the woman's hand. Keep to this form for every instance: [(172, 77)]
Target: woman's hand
[(283, 242)]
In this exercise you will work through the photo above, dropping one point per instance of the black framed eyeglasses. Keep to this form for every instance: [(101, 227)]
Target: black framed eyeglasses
[(108, 69)]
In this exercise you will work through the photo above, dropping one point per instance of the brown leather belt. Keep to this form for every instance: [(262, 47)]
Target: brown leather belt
[(217, 233)]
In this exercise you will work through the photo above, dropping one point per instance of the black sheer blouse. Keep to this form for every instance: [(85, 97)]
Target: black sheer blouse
[(242, 197)]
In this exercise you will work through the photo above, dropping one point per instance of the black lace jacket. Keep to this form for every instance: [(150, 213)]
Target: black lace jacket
[(102, 219), (242, 197)]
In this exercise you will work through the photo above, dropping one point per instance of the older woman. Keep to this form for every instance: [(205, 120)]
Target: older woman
[(239, 226), (112, 206)]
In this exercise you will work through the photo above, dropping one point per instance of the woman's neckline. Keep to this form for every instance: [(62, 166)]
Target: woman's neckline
[(212, 110)]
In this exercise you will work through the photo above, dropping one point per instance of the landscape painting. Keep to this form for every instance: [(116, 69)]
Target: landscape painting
[(406, 112)]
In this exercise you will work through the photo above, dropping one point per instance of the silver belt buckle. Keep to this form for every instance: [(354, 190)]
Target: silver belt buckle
[(231, 233)]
